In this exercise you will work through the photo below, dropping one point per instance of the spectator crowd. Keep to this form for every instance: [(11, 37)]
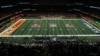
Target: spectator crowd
[(56, 48)]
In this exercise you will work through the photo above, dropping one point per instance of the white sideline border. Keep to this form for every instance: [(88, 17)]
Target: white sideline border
[(92, 35), (53, 19)]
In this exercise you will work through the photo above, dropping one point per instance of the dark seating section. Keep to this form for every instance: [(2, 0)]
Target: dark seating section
[(56, 48)]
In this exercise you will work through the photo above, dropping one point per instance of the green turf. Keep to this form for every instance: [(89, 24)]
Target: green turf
[(45, 29)]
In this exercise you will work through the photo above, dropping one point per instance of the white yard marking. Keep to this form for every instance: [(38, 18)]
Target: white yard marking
[(53, 25), (83, 29), (68, 29), (61, 29), (36, 25), (93, 35), (54, 19), (30, 29), (22, 29), (38, 29), (53, 29), (45, 29), (75, 29)]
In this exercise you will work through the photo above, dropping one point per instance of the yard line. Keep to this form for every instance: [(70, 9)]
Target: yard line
[(41, 28), (25, 29), (18, 29), (84, 26), (72, 29), (49, 27), (77, 26), (34, 30), (88, 29), (66, 27), (53, 31), (55, 27), (22, 29), (60, 26), (37, 29), (85, 32), (38, 22), (30, 28), (45, 27), (63, 27), (46, 24)]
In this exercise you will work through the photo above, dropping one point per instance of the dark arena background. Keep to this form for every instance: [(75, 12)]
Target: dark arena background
[(49, 28)]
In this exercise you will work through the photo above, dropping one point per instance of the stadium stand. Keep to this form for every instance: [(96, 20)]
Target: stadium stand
[(51, 49)]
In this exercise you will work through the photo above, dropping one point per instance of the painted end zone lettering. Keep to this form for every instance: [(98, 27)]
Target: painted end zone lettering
[(13, 27), (17, 24)]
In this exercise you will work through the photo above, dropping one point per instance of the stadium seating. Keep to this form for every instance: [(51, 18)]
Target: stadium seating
[(69, 48)]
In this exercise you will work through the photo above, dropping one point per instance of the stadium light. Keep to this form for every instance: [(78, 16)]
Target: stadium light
[(95, 7), (34, 4), (20, 11), (79, 4), (16, 12), (26, 9), (68, 4), (24, 3), (7, 6), (76, 10), (33, 9)]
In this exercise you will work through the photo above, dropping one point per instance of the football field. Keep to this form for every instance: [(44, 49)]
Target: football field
[(53, 27)]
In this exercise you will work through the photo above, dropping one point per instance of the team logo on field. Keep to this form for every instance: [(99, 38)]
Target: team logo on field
[(53, 25), (69, 25), (36, 25)]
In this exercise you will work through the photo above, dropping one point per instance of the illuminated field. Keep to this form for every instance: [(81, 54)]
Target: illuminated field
[(40, 27), (52, 27)]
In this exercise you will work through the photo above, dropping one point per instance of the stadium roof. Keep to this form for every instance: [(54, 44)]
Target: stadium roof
[(43, 5), (92, 2)]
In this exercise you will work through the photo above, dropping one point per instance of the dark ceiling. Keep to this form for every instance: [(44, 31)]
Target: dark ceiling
[(92, 2), (43, 5)]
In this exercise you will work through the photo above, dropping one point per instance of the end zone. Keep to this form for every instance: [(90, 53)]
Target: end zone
[(12, 28)]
